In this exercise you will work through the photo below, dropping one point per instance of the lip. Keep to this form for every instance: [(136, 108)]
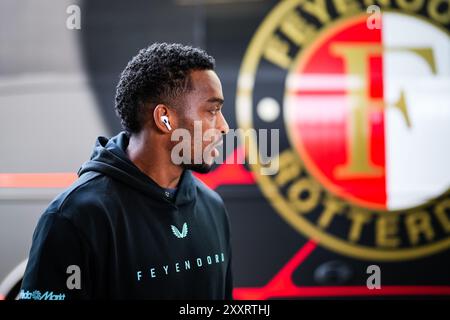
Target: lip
[(215, 147), (219, 143)]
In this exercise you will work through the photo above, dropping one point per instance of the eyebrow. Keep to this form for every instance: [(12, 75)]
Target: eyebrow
[(215, 100)]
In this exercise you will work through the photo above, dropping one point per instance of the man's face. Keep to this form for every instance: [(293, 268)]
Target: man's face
[(203, 118)]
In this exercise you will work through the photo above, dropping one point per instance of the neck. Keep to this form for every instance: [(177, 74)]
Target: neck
[(149, 152)]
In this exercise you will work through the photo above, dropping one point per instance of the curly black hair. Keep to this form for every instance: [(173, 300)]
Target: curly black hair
[(157, 74)]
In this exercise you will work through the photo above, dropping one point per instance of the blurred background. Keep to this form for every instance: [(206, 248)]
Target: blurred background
[(57, 87)]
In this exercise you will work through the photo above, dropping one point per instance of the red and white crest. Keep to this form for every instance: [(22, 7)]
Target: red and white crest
[(368, 110)]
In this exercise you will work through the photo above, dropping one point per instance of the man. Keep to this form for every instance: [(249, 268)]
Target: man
[(137, 225)]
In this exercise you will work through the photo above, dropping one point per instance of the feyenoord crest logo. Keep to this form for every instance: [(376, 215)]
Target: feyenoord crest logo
[(365, 168)]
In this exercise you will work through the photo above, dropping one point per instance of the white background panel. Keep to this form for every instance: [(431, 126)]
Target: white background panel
[(418, 157)]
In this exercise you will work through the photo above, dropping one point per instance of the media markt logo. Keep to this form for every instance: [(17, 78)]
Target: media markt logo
[(37, 295), (177, 232), (364, 168)]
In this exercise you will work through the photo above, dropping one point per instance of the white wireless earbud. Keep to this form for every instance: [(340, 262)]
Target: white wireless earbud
[(165, 120)]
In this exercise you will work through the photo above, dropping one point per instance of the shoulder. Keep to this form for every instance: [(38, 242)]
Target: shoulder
[(87, 199), (83, 214), (211, 200), (206, 193)]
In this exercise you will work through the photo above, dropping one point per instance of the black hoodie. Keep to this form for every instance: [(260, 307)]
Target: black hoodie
[(116, 234)]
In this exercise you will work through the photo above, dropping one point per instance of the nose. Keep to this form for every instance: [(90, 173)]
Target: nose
[(223, 125)]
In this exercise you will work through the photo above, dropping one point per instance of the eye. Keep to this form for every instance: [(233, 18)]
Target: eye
[(214, 112)]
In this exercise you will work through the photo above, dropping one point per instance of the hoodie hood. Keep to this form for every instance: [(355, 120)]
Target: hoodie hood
[(109, 158)]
